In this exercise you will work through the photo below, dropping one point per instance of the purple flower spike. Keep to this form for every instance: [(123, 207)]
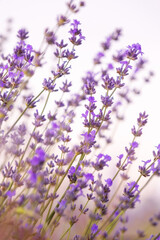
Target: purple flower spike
[(123, 70), (30, 102), (65, 87), (39, 119), (72, 6), (143, 169), (48, 85), (10, 194), (22, 34), (50, 37), (39, 158), (94, 228), (107, 101), (89, 176), (60, 209), (101, 161), (33, 176), (62, 20), (134, 145), (109, 82), (142, 120), (89, 141), (133, 51), (76, 35), (106, 45), (109, 182), (97, 59)]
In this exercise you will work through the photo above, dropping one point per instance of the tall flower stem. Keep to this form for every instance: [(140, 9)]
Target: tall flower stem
[(68, 229), (34, 129), (122, 211), (48, 220), (10, 129)]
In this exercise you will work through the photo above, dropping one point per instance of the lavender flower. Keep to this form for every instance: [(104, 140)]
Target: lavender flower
[(60, 179), (22, 34), (76, 35), (133, 51)]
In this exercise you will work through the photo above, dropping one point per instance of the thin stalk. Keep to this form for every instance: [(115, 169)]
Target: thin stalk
[(23, 113), (74, 224), (50, 215), (110, 217), (124, 160), (156, 237), (34, 129), (61, 181), (89, 225)]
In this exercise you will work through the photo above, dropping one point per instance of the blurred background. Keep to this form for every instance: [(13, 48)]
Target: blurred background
[(139, 21)]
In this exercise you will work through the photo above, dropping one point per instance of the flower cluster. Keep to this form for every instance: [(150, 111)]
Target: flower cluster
[(59, 180)]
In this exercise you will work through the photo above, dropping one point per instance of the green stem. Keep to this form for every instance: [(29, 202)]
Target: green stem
[(34, 129), (89, 225), (23, 113), (156, 237), (122, 211), (4, 198), (48, 220), (68, 229), (62, 179), (16, 121), (124, 160)]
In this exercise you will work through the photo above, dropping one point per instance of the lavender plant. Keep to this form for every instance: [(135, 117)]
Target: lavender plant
[(57, 175)]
